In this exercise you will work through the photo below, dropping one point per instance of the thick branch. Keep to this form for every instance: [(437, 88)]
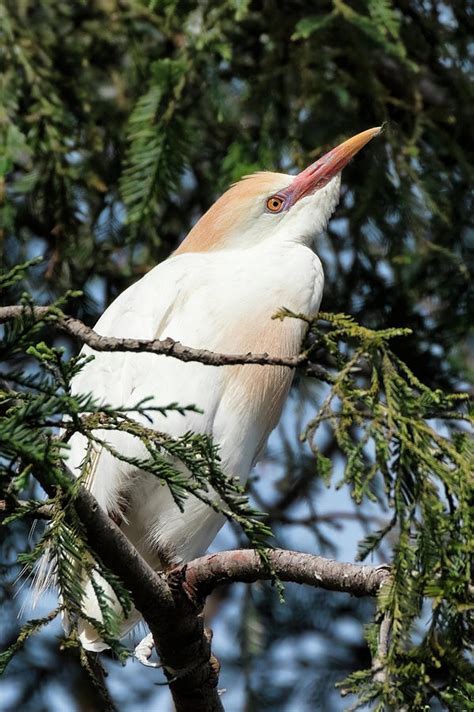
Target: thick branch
[(207, 572), (171, 604), (167, 347), (178, 630)]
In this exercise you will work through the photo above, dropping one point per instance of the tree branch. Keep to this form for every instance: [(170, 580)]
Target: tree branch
[(171, 604), (205, 573), (177, 629), (166, 347)]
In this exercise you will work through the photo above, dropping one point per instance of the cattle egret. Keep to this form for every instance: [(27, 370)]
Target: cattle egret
[(247, 257)]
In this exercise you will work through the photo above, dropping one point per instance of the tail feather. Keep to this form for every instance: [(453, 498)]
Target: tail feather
[(89, 637), (44, 578)]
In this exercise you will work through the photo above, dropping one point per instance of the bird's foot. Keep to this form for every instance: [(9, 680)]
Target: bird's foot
[(144, 650)]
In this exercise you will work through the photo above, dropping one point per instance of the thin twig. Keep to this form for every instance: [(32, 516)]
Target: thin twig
[(379, 661), (164, 347)]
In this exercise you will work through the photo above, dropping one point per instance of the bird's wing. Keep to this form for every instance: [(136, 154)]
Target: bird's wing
[(143, 311), (146, 310), (140, 312)]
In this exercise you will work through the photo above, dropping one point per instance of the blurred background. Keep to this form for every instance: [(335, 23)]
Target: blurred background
[(121, 122)]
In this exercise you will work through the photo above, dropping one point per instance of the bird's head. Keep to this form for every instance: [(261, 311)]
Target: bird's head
[(276, 206)]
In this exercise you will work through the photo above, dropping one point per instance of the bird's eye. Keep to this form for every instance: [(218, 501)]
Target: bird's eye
[(275, 204)]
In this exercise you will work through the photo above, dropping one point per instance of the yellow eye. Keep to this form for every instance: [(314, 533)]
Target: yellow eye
[(275, 204)]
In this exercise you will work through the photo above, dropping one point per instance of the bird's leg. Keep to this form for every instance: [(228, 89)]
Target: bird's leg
[(144, 650)]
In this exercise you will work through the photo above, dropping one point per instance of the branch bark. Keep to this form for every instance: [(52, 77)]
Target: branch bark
[(174, 621), (171, 604), (166, 347), (244, 565)]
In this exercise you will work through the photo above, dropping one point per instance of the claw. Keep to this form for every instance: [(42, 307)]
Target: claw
[(144, 650)]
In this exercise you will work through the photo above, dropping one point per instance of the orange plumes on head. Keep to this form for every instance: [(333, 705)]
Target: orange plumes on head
[(229, 211)]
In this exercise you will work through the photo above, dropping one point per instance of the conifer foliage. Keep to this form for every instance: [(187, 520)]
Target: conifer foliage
[(120, 123)]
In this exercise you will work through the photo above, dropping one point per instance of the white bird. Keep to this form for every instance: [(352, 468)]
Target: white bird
[(247, 257)]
